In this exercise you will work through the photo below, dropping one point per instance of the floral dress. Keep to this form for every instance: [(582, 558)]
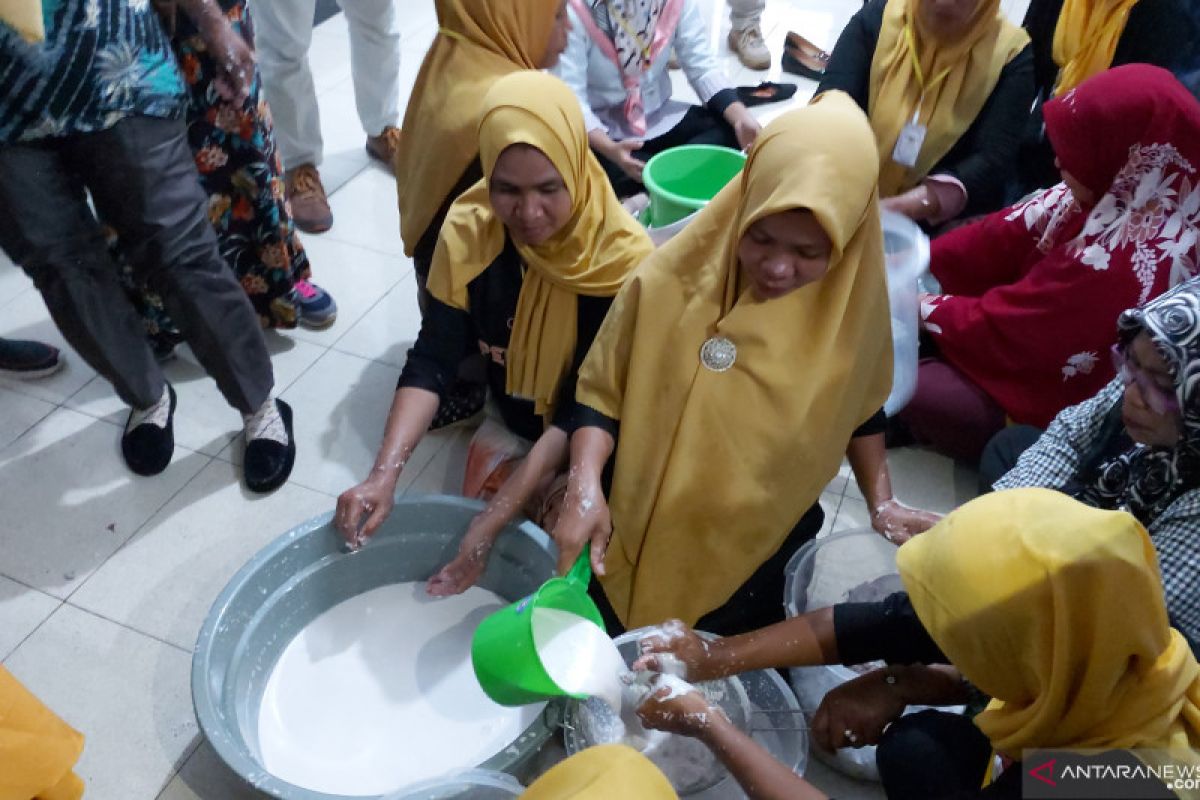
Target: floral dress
[(239, 168)]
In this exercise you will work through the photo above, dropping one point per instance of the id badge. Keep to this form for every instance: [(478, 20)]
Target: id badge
[(908, 145)]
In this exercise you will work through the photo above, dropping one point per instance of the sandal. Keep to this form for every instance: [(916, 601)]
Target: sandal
[(765, 92)]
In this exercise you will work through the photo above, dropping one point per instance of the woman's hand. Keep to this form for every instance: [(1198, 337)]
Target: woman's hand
[(898, 523), (680, 641), (362, 509), (584, 521), (234, 61), (686, 714), (918, 204), (745, 127), (463, 572), (621, 154), (856, 713)]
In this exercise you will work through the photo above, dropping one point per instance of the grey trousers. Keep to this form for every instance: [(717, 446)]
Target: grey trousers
[(143, 182)]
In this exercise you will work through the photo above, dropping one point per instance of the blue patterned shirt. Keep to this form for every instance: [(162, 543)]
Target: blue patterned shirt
[(102, 61)]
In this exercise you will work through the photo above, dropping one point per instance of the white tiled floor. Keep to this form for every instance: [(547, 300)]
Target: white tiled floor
[(104, 577)]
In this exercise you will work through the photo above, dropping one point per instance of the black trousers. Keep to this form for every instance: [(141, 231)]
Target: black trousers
[(757, 603), (1002, 451), (931, 755), (700, 125), (142, 179)]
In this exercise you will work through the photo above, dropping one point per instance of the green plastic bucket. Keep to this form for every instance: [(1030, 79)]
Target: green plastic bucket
[(503, 651), (682, 180)]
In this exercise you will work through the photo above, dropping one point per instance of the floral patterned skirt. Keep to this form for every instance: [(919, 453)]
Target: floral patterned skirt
[(234, 147)]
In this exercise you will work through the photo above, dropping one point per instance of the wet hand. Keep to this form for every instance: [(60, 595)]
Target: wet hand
[(898, 523), (463, 572), (622, 156), (666, 709), (746, 129), (584, 521), (234, 62), (856, 713), (362, 509), (680, 641)]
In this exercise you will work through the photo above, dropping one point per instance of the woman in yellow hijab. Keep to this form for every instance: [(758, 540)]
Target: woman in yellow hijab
[(603, 772), (1052, 608), (37, 749), (947, 85), (737, 364), (526, 267)]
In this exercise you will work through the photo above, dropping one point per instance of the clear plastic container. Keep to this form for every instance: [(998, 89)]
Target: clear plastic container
[(475, 784), (906, 251)]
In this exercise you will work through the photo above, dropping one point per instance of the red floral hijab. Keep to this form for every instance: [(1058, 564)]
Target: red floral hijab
[(1033, 330)]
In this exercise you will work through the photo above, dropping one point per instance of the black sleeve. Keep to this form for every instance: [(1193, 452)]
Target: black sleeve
[(433, 360), (1159, 32), (849, 67), (985, 157), (876, 424), (423, 252), (888, 630), (592, 311), (722, 100)]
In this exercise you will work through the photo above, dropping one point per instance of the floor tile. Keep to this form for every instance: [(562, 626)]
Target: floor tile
[(127, 693), (205, 776), (444, 472), (26, 317), (22, 609), (852, 515), (835, 784), (85, 503), (389, 329), (199, 540), (920, 478), (366, 214), (345, 401), (19, 413), (13, 282), (357, 279), (204, 422)]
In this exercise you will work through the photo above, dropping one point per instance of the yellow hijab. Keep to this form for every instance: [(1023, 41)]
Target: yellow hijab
[(25, 17), (714, 468), (478, 42), (960, 77), (1086, 38), (603, 772), (1055, 609), (592, 255), (37, 749)]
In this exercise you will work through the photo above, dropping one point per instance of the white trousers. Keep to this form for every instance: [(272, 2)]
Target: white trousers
[(283, 33), (745, 13)]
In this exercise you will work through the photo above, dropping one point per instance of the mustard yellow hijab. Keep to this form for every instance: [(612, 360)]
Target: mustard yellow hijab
[(960, 77), (592, 255), (37, 749), (603, 772), (1086, 38), (713, 469), (478, 42), (1055, 609), (25, 17)]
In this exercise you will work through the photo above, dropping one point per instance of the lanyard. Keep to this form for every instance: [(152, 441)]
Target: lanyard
[(916, 63), (623, 21)]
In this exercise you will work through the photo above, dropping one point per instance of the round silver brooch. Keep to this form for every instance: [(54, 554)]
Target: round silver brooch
[(718, 354)]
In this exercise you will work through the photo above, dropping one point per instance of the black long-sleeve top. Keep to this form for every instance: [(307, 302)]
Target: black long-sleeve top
[(985, 155), (447, 333)]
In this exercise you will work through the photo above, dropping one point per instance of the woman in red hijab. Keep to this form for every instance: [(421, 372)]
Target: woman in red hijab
[(1025, 321)]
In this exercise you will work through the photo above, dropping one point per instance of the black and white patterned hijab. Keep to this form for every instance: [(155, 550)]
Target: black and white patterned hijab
[(1143, 479)]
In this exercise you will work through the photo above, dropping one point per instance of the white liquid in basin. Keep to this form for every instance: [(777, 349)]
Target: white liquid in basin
[(378, 692)]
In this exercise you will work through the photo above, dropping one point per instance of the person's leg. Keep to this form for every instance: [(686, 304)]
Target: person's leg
[(374, 62), (1002, 451), (26, 360), (950, 413), (144, 183), (699, 125), (745, 13), (283, 33), (47, 229), (931, 755), (745, 33), (759, 601)]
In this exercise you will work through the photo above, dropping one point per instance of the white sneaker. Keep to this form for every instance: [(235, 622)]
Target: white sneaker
[(750, 47)]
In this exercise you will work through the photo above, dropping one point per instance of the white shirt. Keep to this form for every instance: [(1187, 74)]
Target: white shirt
[(596, 80)]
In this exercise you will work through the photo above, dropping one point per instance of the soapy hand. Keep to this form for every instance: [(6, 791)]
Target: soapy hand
[(235, 64), (684, 644), (362, 509), (463, 572), (584, 519), (898, 523), (856, 713), (676, 706)]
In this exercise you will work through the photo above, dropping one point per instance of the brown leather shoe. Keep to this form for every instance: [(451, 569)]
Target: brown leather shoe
[(310, 206), (385, 146)]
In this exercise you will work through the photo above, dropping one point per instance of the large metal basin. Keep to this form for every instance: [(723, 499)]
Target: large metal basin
[(304, 573)]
